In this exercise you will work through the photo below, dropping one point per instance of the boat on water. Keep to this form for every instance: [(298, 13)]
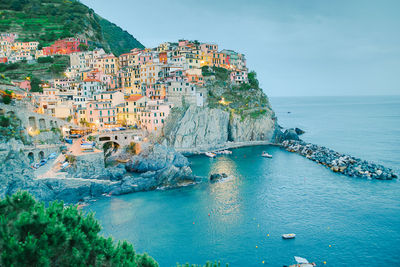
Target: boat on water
[(302, 262), (266, 155), (210, 154), (223, 152), (288, 236)]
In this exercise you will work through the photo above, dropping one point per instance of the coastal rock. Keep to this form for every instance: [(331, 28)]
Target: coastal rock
[(280, 136), (206, 129), (73, 190), (156, 166), (217, 176), (299, 131), (16, 174), (337, 162)]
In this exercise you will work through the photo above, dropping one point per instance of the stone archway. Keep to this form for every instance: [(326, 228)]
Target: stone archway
[(31, 157), (32, 123), (110, 148), (41, 155), (42, 124)]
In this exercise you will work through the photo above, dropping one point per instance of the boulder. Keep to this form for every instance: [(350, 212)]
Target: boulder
[(299, 131), (217, 176)]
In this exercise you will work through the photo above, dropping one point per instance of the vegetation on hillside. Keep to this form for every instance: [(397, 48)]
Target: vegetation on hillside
[(120, 41), (10, 127), (49, 20), (45, 68), (246, 99)]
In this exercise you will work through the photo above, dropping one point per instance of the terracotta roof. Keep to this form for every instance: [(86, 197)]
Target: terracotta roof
[(134, 98), (91, 80)]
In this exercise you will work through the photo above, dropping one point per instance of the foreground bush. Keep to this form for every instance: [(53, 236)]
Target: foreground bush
[(33, 235)]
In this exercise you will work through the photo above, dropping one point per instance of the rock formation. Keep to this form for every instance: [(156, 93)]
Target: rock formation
[(206, 128)]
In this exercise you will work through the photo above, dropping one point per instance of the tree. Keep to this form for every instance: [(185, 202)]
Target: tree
[(35, 234), (83, 47), (6, 99), (4, 121), (252, 76), (35, 84), (45, 60)]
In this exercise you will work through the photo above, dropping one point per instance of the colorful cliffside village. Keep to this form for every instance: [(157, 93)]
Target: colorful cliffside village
[(136, 89)]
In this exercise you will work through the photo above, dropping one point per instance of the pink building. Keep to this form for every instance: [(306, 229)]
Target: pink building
[(183, 42), (153, 117), (145, 58), (239, 76), (26, 85), (101, 114), (207, 48), (9, 37)]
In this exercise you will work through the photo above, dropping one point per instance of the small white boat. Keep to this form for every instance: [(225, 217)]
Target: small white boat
[(210, 154), (266, 155), (288, 236), (302, 262)]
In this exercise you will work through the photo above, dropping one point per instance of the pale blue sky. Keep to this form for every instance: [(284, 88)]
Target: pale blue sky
[(297, 47)]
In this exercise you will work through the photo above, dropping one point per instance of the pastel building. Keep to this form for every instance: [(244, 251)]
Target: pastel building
[(101, 114), (90, 86), (116, 97), (133, 106), (239, 76), (154, 115), (181, 93)]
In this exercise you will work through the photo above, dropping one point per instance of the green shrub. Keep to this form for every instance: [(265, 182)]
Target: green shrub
[(45, 60), (57, 235), (4, 121), (6, 99)]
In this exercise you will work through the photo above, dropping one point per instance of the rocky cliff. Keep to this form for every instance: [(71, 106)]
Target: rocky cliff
[(197, 129), (234, 114)]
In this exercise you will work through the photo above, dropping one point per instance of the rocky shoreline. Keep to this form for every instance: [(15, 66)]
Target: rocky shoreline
[(337, 162), (156, 167)]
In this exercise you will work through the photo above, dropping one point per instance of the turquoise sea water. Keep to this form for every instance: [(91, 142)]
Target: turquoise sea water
[(343, 221)]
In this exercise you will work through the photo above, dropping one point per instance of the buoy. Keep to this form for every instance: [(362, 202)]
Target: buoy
[(258, 225), (209, 214), (256, 246), (330, 246), (193, 222), (324, 262), (267, 234), (263, 262)]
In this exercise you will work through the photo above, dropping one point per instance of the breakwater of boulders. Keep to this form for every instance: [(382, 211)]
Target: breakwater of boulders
[(337, 162)]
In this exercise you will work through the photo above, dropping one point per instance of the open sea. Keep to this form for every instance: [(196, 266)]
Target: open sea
[(338, 220)]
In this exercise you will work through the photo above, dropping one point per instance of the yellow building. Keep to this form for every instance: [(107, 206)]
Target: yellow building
[(108, 64)]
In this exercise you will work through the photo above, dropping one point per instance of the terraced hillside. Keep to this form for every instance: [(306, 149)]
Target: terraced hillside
[(49, 20)]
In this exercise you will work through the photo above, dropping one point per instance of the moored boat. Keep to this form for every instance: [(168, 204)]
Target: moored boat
[(302, 262), (210, 154), (266, 155), (288, 236)]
